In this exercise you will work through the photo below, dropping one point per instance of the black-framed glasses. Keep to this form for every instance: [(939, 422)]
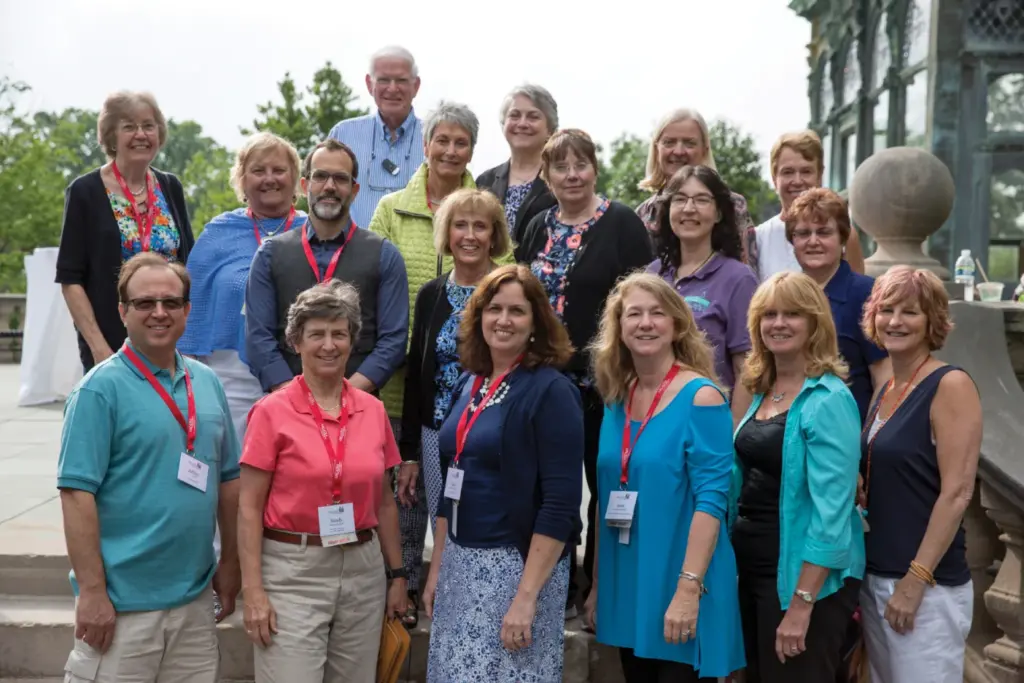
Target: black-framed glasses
[(147, 304)]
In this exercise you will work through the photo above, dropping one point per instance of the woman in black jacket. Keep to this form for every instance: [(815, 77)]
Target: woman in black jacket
[(529, 115), (470, 226), (579, 249), (110, 214)]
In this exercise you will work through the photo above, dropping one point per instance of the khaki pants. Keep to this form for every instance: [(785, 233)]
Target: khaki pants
[(330, 608), (168, 646)]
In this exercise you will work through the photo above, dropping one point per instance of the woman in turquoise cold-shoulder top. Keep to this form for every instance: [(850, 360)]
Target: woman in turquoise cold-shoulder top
[(665, 583)]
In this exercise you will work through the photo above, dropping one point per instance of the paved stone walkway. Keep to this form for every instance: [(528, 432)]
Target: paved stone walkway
[(30, 516)]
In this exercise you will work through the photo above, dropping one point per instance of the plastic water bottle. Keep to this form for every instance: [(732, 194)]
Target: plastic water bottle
[(1018, 294), (964, 273)]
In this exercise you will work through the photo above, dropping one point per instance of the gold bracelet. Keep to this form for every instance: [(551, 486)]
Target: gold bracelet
[(922, 572)]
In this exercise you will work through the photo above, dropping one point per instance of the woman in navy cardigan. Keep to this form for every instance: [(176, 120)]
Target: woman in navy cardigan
[(511, 454)]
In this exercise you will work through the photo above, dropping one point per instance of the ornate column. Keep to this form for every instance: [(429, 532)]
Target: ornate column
[(1004, 659), (901, 196)]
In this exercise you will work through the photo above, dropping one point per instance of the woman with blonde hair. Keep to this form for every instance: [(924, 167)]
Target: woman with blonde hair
[(665, 580), (265, 178), (682, 138), (921, 445), (798, 536)]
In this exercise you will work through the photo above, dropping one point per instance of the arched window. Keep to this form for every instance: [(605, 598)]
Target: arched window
[(851, 75), (917, 39), (1006, 104)]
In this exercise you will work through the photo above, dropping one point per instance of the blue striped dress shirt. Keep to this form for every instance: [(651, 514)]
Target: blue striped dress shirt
[(370, 139)]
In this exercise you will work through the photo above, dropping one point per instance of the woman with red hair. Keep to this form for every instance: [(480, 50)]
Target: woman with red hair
[(920, 449)]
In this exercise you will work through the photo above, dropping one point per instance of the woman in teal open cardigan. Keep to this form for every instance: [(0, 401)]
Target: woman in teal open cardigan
[(798, 536)]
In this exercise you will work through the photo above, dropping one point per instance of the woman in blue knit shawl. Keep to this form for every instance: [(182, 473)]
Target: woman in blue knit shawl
[(266, 178)]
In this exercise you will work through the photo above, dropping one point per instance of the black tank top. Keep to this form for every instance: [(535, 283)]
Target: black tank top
[(904, 486)]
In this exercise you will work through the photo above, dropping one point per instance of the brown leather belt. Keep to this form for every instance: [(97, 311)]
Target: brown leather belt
[(362, 536)]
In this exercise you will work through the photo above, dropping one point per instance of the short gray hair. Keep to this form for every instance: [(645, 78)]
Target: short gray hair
[(541, 99), (457, 114), (334, 300), (394, 52)]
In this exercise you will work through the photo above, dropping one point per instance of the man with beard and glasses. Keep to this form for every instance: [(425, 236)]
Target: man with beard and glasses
[(331, 246)]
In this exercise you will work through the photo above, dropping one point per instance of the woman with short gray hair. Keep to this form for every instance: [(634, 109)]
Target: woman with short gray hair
[(406, 218), (318, 531), (529, 116), (120, 209)]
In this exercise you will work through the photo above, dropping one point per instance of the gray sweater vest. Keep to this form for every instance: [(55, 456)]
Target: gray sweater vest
[(359, 266)]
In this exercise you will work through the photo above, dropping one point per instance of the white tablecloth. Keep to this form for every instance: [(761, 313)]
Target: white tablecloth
[(50, 364)]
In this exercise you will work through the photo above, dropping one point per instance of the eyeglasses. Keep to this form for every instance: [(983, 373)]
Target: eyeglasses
[(821, 233), (130, 127), (397, 82), (321, 177), (701, 201), (147, 304)]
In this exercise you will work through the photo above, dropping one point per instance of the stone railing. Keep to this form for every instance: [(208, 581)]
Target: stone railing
[(988, 342)]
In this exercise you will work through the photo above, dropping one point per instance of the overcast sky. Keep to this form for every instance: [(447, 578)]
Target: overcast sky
[(612, 66)]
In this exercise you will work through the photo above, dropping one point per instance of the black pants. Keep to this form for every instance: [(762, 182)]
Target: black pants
[(639, 670), (593, 411), (762, 613)]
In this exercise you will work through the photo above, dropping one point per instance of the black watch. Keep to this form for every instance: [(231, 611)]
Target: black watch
[(399, 573)]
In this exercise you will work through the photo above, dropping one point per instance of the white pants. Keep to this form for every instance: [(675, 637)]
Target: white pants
[(934, 650), (242, 391), (167, 646)]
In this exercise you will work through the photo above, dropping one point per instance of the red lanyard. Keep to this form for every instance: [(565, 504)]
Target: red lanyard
[(336, 457), (256, 225), (629, 443), (466, 422), (145, 224), (190, 426), (333, 265)]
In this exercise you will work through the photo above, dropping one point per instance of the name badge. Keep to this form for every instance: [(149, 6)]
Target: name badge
[(193, 472), (337, 524), (621, 508), (453, 484)]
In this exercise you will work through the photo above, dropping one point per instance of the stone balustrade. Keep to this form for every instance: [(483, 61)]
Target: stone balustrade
[(988, 342)]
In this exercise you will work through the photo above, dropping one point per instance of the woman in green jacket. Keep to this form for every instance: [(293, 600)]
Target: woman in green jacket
[(406, 218)]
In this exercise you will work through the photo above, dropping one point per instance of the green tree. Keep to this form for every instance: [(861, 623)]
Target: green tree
[(305, 125), (739, 164), (73, 133), (185, 139), (31, 188), (207, 183), (624, 170)]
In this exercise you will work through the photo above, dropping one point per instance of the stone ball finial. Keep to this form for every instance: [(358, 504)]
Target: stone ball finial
[(901, 196)]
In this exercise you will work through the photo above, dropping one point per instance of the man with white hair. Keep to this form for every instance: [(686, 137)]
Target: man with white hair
[(388, 143)]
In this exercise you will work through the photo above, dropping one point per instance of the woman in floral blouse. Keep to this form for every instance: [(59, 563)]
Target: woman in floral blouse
[(114, 212), (470, 227), (682, 139), (578, 249)]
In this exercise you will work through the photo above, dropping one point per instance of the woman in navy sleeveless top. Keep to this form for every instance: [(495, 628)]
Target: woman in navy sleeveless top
[(920, 449)]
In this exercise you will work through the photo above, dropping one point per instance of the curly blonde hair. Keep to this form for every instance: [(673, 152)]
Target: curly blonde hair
[(789, 291), (611, 359)]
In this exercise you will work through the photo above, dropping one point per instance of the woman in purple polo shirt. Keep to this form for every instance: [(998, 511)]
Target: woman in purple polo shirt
[(699, 251)]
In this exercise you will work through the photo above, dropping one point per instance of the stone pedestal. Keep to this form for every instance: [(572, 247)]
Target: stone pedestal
[(1004, 659), (901, 196)]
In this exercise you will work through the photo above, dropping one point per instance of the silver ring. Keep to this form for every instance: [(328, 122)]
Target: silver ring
[(794, 650), (687, 632), (522, 637)]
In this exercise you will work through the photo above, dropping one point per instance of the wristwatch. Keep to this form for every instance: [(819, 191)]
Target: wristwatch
[(805, 596), (397, 573)]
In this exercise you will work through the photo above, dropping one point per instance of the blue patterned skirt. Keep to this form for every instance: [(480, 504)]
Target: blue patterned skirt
[(431, 468), (474, 591)]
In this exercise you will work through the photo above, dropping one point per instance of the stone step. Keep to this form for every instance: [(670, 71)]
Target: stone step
[(37, 632), (34, 574)]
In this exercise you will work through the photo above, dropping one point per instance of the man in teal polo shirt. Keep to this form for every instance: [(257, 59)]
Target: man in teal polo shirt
[(148, 459)]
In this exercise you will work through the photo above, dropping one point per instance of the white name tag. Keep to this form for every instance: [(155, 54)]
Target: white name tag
[(621, 507), (193, 472), (453, 484), (337, 524)]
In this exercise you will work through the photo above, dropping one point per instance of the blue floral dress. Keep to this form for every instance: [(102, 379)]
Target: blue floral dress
[(515, 195), (447, 349), (164, 239)]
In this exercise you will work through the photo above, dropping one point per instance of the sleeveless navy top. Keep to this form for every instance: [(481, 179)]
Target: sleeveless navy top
[(904, 486)]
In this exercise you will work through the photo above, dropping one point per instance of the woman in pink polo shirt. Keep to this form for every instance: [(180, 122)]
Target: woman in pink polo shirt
[(315, 512)]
